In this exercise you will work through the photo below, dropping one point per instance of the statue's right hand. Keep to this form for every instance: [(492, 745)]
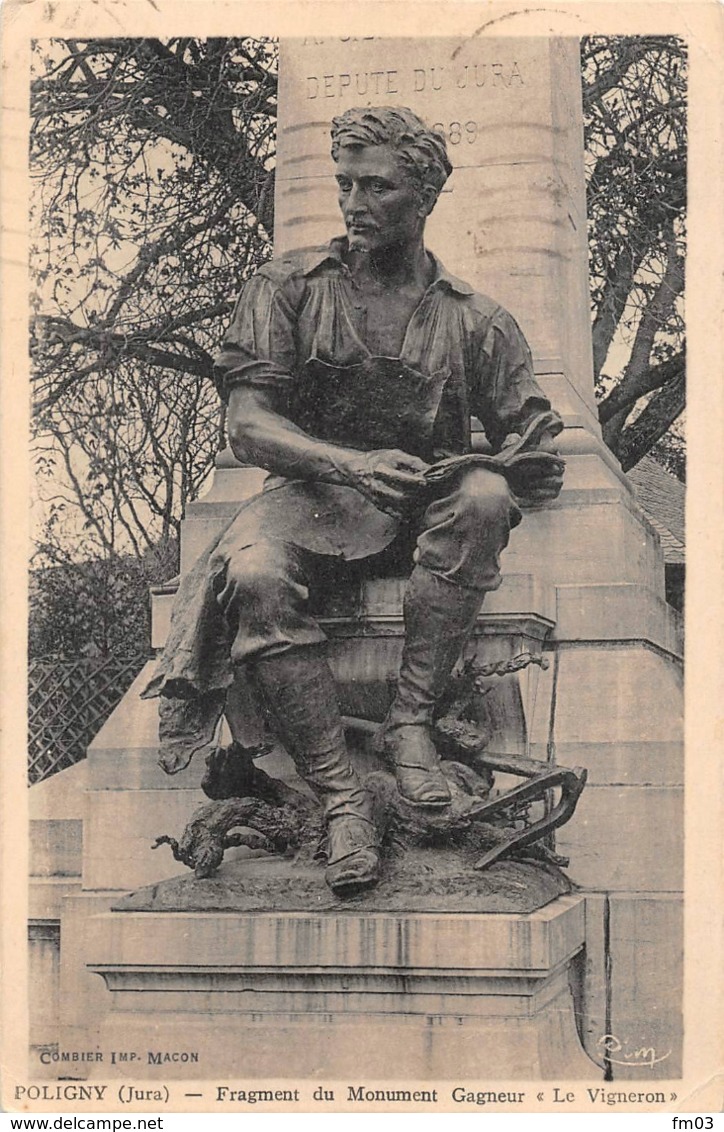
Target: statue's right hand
[(388, 477)]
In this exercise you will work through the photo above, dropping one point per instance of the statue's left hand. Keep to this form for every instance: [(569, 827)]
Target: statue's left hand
[(529, 485)]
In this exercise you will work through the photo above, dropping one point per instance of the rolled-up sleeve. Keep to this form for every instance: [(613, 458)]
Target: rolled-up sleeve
[(507, 394), (259, 347)]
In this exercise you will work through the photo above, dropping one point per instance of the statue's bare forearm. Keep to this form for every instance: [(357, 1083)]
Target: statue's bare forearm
[(260, 435)]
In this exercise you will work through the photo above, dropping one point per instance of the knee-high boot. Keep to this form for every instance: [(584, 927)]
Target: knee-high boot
[(439, 618), (299, 689)]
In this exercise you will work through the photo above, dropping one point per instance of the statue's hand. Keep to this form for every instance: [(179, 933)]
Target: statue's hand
[(388, 477), (526, 480)]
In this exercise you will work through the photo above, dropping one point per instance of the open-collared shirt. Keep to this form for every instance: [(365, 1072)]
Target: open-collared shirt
[(305, 305)]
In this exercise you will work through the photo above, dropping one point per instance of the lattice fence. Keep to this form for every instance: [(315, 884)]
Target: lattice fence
[(68, 702)]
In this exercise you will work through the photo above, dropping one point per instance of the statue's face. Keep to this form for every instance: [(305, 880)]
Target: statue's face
[(380, 204)]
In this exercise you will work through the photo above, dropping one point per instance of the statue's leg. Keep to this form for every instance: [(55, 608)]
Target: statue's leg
[(457, 560), (264, 598)]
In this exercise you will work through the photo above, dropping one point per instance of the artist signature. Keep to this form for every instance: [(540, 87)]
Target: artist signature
[(644, 1055)]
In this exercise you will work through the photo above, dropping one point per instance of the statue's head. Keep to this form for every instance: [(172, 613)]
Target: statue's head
[(421, 150), (390, 170)]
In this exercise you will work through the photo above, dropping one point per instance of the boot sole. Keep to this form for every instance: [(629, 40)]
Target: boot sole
[(350, 887)]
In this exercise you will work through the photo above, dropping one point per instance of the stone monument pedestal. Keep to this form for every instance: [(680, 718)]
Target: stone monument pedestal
[(347, 994)]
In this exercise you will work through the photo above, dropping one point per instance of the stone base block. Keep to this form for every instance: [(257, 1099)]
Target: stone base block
[(631, 984), (588, 536), (43, 978), (417, 995), (66, 1000), (648, 850), (618, 711), (121, 830), (124, 754), (646, 944), (56, 809)]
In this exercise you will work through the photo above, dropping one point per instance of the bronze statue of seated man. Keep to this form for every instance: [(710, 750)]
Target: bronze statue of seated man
[(349, 371)]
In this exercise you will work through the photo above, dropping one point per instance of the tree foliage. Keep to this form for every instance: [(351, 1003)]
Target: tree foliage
[(153, 167), (635, 122), (95, 607)]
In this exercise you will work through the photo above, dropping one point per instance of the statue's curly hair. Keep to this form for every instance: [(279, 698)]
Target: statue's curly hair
[(419, 148)]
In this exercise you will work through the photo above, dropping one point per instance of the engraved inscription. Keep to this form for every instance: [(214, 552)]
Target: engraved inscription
[(455, 132), (469, 75), (371, 83), (383, 83), (431, 78)]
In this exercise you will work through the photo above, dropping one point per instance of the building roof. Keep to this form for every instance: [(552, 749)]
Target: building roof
[(662, 496)]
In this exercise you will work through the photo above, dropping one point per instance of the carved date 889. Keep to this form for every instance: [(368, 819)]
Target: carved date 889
[(457, 132)]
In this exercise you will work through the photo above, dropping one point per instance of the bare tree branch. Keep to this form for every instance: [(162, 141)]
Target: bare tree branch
[(653, 422)]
